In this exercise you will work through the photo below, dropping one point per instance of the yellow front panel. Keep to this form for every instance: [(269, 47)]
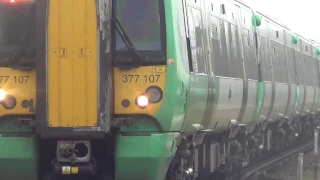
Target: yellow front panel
[(128, 84), (72, 63), (21, 85)]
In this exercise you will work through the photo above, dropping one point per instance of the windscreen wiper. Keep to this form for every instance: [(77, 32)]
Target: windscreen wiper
[(132, 51)]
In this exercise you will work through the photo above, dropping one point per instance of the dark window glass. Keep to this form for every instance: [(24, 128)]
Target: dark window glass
[(17, 32), (279, 62), (236, 68), (141, 21), (308, 70), (318, 64), (315, 71), (182, 29), (196, 40), (299, 67), (221, 51), (225, 50), (291, 66), (220, 64), (265, 60), (250, 58)]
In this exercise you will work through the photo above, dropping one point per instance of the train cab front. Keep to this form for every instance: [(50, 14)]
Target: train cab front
[(73, 88), (139, 60), (18, 154), (144, 98)]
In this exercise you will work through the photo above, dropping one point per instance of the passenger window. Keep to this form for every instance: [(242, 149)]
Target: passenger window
[(264, 59), (318, 64), (315, 71), (225, 49), (182, 36), (196, 40), (291, 66), (279, 63), (299, 67)]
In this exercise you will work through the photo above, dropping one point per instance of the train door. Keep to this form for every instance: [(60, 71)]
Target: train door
[(227, 62), (72, 65), (280, 72), (318, 74), (291, 112), (316, 79), (300, 86), (73, 75), (308, 76), (266, 70), (251, 68), (199, 81)]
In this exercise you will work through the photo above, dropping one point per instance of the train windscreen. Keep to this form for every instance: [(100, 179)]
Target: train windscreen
[(17, 31), (140, 20)]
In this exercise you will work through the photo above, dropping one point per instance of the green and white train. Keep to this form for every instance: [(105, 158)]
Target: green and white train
[(149, 89)]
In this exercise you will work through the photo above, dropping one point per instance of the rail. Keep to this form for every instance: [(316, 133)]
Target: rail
[(267, 165)]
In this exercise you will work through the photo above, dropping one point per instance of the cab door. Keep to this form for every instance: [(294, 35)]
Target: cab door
[(72, 74)]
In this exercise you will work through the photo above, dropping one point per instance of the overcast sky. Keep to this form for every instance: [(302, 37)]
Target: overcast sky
[(301, 16)]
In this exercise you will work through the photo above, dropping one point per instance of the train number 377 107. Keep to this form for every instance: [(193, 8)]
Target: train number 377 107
[(137, 78), (14, 79)]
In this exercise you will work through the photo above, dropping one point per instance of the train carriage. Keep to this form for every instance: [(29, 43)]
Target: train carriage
[(149, 89)]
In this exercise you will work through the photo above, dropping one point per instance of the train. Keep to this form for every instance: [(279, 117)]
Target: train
[(149, 89)]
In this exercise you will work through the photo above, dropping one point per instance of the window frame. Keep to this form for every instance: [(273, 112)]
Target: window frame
[(155, 57)]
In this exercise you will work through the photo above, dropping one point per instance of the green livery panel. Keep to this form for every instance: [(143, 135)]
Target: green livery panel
[(18, 158), (144, 157)]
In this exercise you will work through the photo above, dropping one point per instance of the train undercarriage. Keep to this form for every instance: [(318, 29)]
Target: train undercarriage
[(219, 155)]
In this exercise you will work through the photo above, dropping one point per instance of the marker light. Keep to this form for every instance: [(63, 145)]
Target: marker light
[(3, 94), (17, 1), (142, 101), (9, 102), (154, 93)]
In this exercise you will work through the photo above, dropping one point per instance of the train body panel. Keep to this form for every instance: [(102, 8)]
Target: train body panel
[(300, 106), (152, 162), (308, 70), (315, 80), (318, 104), (252, 100), (291, 109), (310, 96), (197, 103), (229, 102), (315, 102), (18, 152), (267, 102), (280, 100)]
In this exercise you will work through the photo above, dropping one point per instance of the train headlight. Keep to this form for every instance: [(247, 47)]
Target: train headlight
[(3, 94), (142, 101), (154, 93)]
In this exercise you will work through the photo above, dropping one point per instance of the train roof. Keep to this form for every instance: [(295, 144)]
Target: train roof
[(282, 25)]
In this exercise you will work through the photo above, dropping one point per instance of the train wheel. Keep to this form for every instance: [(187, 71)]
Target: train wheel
[(49, 176)]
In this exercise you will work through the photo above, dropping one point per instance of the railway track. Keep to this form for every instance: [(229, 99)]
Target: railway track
[(268, 165)]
